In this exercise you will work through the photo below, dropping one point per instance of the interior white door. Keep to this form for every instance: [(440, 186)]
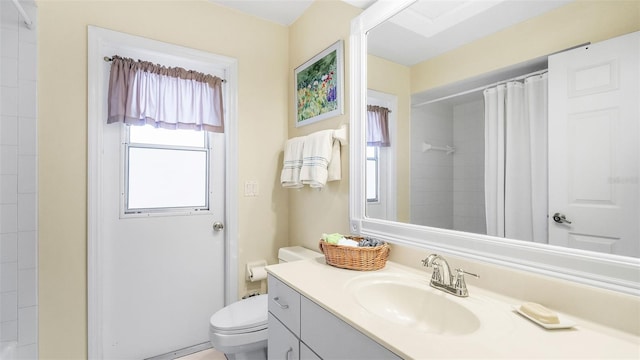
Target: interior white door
[(162, 275), (593, 147)]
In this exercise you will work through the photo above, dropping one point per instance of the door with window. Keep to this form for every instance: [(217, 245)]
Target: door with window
[(162, 260)]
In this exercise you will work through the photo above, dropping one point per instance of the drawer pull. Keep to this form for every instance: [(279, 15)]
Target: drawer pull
[(286, 355), (277, 301)]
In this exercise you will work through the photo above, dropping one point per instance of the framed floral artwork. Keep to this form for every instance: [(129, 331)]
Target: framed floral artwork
[(318, 84)]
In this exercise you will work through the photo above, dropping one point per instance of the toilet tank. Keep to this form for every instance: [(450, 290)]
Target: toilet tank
[(296, 253)]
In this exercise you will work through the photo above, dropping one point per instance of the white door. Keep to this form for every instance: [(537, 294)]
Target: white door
[(593, 147), (162, 274)]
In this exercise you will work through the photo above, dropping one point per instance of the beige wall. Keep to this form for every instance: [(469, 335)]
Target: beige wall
[(261, 49), (573, 24), (313, 212)]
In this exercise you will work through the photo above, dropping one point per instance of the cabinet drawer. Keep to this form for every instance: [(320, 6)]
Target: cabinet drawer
[(307, 354), (284, 303), (332, 338), (282, 344)]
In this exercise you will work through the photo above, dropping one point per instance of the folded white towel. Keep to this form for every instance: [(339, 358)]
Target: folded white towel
[(334, 169), (316, 156), (290, 175)]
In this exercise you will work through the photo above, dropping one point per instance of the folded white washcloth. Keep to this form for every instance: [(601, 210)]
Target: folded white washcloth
[(316, 156), (347, 242), (290, 176)]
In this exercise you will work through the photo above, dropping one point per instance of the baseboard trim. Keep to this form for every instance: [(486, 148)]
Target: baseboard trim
[(182, 352)]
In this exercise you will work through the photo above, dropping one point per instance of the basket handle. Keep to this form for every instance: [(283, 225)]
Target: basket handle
[(383, 253)]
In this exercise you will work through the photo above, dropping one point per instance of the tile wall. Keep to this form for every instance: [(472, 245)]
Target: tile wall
[(468, 167), (431, 171), (447, 191), (18, 183)]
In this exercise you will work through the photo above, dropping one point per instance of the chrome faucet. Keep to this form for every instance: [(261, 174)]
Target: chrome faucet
[(442, 279)]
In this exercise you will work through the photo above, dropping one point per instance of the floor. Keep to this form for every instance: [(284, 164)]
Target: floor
[(209, 354)]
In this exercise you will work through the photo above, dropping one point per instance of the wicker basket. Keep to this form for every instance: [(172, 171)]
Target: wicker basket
[(355, 258)]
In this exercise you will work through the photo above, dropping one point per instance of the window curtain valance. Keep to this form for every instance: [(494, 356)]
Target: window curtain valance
[(378, 126), (141, 93)]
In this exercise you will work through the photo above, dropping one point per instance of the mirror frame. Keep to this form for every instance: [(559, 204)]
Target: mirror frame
[(613, 272)]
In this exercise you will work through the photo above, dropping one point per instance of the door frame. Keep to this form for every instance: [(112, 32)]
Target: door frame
[(98, 38)]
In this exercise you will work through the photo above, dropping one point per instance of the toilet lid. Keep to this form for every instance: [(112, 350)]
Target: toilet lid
[(244, 314)]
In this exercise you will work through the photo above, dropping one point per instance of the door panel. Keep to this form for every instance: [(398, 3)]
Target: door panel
[(593, 146), (591, 166)]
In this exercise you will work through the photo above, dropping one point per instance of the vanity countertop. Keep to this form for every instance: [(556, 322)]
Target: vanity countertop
[(509, 336)]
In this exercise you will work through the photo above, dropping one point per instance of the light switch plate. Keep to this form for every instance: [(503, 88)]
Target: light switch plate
[(250, 188)]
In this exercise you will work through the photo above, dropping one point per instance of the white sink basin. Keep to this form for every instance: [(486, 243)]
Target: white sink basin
[(411, 302)]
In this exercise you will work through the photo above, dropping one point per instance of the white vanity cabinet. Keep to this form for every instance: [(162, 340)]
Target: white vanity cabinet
[(331, 338), (282, 343), (301, 329), (284, 321)]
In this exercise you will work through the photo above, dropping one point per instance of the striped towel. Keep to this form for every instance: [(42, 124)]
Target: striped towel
[(316, 156), (290, 176)]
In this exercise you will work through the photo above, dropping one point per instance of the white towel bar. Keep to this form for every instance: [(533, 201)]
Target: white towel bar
[(449, 149), (27, 20), (341, 135)]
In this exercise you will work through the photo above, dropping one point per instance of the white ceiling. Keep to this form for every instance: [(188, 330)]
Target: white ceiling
[(431, 27), (424, 30), (284, 12)]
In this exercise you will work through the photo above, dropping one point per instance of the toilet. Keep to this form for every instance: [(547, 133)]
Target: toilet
[(239, 330)]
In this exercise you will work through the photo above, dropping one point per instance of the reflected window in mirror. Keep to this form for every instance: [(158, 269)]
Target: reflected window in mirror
[(380, 158), (373, 174)]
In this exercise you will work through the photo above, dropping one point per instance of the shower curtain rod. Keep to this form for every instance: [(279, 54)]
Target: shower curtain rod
[(481, 88), (27, 19)]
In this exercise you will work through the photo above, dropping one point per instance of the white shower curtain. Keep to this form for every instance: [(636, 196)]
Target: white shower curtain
[(516, 159)]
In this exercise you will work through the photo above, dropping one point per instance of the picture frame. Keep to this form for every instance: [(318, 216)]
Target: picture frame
[(318, 85)]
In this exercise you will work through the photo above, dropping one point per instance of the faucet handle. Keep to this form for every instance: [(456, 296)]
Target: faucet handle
[(428, 261), (461, 273)]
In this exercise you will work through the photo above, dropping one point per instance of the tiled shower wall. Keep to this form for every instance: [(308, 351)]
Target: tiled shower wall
[(18, 183), (431, 171), (468, 168), (447, 191)]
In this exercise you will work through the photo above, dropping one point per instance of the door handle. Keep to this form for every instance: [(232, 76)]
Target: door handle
[(218, 226), (560, 218)]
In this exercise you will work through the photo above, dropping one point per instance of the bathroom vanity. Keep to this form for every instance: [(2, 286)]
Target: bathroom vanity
[(317, 311), (299, 329)]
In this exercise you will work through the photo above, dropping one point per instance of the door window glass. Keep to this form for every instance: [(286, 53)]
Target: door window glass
[(165, 170)]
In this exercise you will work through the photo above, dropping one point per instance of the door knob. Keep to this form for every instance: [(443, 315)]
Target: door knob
[(560, 218), (218, 226)]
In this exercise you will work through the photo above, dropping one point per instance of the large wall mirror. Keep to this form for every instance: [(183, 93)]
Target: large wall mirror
[(506, 131)]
